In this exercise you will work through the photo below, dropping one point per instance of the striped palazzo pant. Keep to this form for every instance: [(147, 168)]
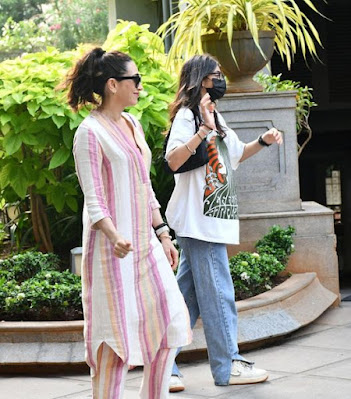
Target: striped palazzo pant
[(111, 372)]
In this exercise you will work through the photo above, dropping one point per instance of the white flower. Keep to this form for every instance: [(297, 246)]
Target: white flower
[(292, 246), (21, 295), (268, 287), (244, 276), (48, 275), (256, 255)]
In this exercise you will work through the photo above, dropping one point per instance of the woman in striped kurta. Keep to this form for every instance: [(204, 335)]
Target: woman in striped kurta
[(134, 313)]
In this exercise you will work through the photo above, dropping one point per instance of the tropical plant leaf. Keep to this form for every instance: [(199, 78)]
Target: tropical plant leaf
[(59, 158), (197, 17)]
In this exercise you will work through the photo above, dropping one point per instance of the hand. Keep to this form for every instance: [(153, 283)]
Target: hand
[(121, 247), (170, 251), (273, 136), (207, 108)]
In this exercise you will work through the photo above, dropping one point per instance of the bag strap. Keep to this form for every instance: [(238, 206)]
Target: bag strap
[(169, 132)]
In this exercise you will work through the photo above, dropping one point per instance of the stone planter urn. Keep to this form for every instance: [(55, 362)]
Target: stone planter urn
[(249, 59)]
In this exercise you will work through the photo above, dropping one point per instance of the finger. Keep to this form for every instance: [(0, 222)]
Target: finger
[(169, 257), (279, 137), (126, 246), (174, 254), (119, 251), (119, 254), (205, 101), (175, 260), (205, 96)]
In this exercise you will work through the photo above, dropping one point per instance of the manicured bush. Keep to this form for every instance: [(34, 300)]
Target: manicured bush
[(254, 273), (278, 242), (33, 288), (26, 265)]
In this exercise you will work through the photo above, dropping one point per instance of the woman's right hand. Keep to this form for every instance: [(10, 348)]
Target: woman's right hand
[(206, 106), (121, 247)]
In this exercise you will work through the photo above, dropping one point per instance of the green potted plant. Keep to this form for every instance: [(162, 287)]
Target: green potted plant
[(241, 34)]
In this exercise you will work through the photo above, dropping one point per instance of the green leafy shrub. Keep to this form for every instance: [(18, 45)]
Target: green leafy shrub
[(33, 288), (23, 36), (3, 234), (37, 126), (20, 10), (26, 265), (278, 242), (254, 273), (63, 24), (75, 22)]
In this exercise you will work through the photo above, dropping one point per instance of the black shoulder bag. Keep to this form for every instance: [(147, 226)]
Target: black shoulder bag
[(195, 161)]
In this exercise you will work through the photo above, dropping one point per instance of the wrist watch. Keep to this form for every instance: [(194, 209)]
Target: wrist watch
[(262, 142)]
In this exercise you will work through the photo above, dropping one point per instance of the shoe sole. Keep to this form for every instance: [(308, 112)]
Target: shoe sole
[(244, 381), (176, 389)]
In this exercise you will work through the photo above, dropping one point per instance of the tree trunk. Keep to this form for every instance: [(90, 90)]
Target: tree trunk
[(40, 223)]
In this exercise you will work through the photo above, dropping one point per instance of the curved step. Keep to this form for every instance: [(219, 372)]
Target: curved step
[(291, 305)]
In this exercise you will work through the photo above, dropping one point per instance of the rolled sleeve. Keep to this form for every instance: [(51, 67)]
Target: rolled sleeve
[(153, 200), (182, 130)]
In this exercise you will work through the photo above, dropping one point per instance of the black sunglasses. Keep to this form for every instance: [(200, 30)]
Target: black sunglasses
[(136, 78), (219, 75)]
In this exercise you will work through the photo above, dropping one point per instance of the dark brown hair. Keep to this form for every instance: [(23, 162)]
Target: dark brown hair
[(193, 72), (90, 74)]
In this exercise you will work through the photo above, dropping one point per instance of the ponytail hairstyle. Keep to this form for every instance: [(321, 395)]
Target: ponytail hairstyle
[(193, 72), (90, 74)]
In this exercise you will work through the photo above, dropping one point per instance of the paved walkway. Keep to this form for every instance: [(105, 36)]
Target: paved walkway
[(313, 363)]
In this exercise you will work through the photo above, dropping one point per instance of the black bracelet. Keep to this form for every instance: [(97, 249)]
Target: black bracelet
[(262, 142), (160, 225)]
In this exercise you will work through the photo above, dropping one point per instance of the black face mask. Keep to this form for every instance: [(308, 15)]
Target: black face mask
[(218, 90)]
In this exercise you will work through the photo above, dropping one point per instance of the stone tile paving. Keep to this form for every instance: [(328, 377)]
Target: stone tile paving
[(313, 363)]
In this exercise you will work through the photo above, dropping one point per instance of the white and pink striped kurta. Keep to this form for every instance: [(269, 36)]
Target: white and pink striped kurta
[(133, 304)]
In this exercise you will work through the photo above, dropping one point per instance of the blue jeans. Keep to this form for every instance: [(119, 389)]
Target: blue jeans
[(205, 282)]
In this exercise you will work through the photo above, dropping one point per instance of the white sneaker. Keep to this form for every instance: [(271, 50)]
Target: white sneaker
[(175, 384), (245, 373)]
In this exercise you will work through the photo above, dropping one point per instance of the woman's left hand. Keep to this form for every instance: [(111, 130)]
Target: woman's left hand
[(170, 251), (273, 136)]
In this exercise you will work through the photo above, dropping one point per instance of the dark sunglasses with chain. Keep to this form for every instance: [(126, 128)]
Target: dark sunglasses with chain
[(136, 78)]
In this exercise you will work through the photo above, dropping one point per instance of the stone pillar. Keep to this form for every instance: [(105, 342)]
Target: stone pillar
[(268, 186), (269, 182)]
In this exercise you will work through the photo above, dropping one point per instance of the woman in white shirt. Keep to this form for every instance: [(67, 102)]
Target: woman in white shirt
[(203, 212)]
